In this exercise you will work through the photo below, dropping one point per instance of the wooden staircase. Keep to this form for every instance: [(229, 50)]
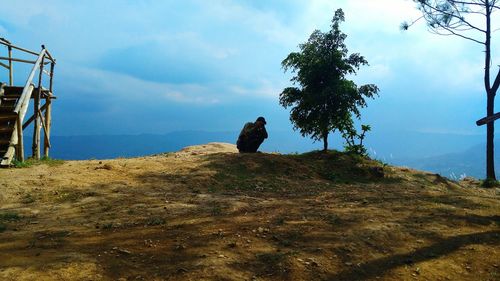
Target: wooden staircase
[(14, 103)]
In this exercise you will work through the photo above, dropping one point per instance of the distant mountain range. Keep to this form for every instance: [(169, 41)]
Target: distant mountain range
[(446, 154), (470, 162)]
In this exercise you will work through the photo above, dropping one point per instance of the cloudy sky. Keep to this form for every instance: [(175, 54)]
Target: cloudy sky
[(132, 67)]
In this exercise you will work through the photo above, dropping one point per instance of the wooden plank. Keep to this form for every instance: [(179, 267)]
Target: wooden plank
[(36, 111), (8, 44), (28, 122), (18, 60), (11, 68), (8, 117), (27, 85), (6, 129), (48, 120), (20, 140), (7, 158), (46, 139), (488, 119)]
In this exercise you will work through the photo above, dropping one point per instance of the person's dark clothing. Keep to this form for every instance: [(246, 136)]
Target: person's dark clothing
[(251, 137)]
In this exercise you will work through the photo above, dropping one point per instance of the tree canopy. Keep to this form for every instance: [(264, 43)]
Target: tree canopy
[(323, 99)]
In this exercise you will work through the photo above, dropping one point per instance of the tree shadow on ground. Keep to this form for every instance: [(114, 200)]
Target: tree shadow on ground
[(441, 248)]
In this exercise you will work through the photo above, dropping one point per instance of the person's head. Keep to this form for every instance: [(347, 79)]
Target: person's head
[(261, 121)]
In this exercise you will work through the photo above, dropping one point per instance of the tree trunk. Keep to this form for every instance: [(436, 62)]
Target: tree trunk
[(490, 135), (490, 103), (325, 142)]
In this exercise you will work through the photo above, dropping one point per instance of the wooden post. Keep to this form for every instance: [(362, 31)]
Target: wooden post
[(20, 140), (11, 70), (37, 125), (48, 113)]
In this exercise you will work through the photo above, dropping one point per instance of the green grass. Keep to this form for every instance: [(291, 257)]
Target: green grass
[(490, 183), (9, 216), (155, 221), (31, 162)]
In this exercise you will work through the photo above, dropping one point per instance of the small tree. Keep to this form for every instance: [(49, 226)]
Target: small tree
[(324, 100), (351, 136), (471, 20)]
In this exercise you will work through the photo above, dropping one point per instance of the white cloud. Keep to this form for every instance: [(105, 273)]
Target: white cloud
[(264, 88), (125, 88)]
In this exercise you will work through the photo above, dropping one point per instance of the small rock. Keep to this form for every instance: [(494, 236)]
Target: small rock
[(260, 229), (312, 262), (348, 263), (221, 256)]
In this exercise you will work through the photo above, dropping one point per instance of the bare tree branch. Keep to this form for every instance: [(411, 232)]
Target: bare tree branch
[(496, 84), (452, 32)]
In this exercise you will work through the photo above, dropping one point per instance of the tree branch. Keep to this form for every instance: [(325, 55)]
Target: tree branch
[(456, 34), (459, 18), (496, 84)]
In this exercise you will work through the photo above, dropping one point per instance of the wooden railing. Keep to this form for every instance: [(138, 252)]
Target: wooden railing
[(42, 59)]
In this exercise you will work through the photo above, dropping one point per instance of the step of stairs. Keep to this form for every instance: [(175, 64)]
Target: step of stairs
[(8, 117), (6, 129), (4, 141), (6, 108), (13, 90)]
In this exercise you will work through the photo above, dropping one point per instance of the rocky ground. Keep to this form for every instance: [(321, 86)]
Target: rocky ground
[(209, 213)]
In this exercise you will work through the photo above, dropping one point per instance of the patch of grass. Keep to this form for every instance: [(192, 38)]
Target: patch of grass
[(19, 164), (70, 196), (289, 238), (279, 220), (271, 258), (27, 199), (155, 221), (51, 162), (273, 263), (215, 209), (107, 226), (31, 162), (9, 216), (490, 183)]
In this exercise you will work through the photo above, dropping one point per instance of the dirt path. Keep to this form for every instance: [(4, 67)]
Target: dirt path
[(208, 213)]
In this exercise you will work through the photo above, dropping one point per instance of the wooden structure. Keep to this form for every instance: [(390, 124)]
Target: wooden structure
[(488, 119), (15, 101)]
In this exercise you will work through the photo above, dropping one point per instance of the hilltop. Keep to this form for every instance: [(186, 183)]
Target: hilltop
[(207, 212)]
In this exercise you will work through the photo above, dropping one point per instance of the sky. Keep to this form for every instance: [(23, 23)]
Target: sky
[(135, 67)]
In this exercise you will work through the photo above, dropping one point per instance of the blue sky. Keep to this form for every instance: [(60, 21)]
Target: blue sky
[(132, 67)]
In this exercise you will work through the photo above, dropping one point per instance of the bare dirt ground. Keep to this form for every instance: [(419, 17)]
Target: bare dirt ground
[(209, 213)]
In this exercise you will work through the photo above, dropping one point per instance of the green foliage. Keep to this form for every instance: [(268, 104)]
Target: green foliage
[(30, 162), (490, 183), (351, 136), (323, 100)]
